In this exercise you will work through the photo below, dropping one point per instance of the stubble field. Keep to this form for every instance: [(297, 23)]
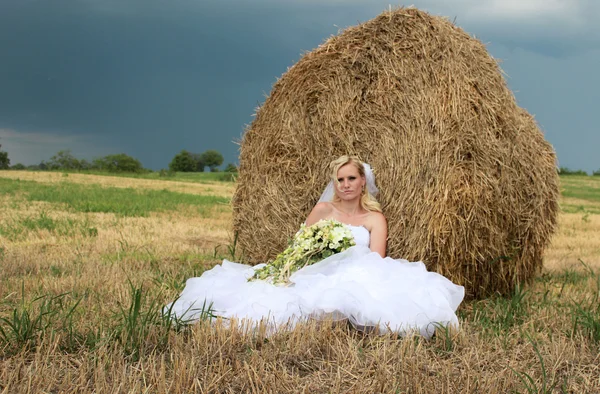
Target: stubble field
[(87, 262)]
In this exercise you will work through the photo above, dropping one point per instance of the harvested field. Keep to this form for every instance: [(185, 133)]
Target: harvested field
[(81, 294)]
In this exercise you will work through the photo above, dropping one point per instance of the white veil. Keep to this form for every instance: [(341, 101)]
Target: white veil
[(329, 191)]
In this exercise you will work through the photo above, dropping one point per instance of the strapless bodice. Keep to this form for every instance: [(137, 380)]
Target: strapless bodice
[(361, 234)]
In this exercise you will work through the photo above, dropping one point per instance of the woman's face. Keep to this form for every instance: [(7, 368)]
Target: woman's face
[(349, 182)]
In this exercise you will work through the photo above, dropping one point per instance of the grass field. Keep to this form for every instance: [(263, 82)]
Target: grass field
[(87, 261)]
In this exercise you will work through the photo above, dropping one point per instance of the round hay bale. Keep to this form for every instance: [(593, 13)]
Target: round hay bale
[(467, 181)]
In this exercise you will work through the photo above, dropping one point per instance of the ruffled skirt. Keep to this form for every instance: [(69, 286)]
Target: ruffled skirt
[(374, 293)]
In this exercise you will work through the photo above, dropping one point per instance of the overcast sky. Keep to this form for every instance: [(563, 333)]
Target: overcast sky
[(152, 77)]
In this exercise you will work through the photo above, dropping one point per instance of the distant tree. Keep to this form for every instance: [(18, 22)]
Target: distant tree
[(64, 160), (231, 168), (18, 166), (4, 160), (212, 159), (596, 173), (119, 162), (184, 161), (199, 160), (85, 165), (568, 171)]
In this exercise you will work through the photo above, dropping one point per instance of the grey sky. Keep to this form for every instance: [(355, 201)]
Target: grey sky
[(152, 77)]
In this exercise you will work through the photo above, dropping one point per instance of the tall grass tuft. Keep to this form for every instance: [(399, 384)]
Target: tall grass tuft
[(527, 380), (587, 319), (499, 314), (29, 321), (145, 319)]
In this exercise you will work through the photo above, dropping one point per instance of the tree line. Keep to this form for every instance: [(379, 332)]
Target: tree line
[(568, 171), (4, 160), (186, 161), (64, 160)]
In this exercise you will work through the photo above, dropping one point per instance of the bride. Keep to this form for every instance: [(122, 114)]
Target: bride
[(372, 291)]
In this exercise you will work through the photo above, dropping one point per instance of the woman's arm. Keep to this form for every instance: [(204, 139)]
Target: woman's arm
[(378, 241), (321, 211)]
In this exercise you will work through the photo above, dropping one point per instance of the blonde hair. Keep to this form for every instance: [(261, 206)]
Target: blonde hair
[(367, 201)]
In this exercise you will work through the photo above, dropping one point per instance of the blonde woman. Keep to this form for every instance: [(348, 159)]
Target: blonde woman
[(359, 284), (352, 201)]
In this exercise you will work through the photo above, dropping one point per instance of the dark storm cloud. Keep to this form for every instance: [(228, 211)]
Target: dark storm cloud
[(150, 77), (158, 77)]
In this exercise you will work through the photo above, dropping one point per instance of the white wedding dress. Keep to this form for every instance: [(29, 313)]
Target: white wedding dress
[(372, 292)]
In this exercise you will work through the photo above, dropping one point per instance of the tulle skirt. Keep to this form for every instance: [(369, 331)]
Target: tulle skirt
[(374, 293)]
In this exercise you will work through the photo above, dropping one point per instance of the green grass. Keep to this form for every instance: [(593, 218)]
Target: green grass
[(121, 201), (572, 208), (546, 386), (134, 321), (581, 187), (193, 177), (583, 193), (498, 315), (15, 229), (23, 327)]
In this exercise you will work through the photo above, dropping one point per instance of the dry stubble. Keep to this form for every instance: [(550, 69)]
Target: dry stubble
[(160, 251)]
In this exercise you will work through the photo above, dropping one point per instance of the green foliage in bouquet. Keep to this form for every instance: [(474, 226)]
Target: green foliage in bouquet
[(310, 245)]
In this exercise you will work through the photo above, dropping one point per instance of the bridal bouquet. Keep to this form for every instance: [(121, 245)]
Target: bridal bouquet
[(310, 245)]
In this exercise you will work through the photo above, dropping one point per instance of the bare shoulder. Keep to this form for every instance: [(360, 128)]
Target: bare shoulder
[(320, 211), (323, 207)]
